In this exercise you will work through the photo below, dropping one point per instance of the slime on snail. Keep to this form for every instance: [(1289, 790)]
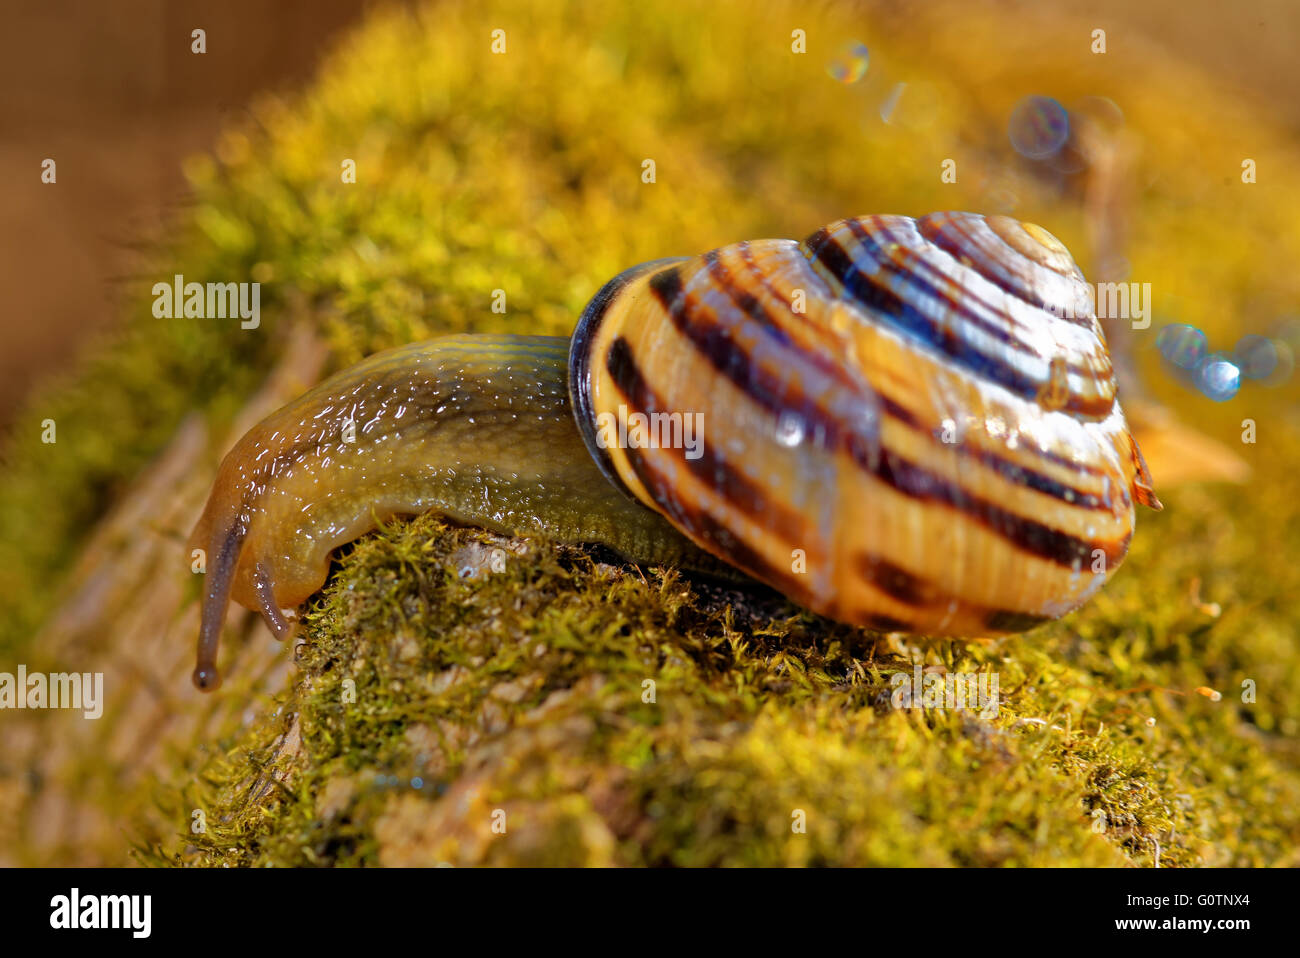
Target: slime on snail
[(907, 425)]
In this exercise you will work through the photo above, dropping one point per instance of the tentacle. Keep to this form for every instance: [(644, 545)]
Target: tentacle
[(275, 620), (216, 597)]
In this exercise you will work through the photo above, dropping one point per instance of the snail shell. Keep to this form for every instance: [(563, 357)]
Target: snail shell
[(906, 424), (936, 431)]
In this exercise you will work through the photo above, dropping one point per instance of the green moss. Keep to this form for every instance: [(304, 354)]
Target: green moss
[(524, 690), (427, 700)]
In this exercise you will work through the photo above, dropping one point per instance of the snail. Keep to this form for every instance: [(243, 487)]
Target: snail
[(902, 424)]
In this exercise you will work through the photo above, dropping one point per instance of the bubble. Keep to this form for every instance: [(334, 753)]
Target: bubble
[(1039, 127), (1218, 377), (850, 64), (1182, 345), (1256, 356)]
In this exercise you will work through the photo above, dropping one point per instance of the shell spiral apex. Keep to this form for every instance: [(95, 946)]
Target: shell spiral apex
[(905, 424)]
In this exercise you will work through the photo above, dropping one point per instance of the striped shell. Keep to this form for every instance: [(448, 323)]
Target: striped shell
[(907, 424)]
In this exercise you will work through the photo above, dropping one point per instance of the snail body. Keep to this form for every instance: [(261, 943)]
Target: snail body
[(905, 424)]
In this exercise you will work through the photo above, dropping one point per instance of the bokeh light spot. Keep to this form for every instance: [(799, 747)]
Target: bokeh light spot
[(850, 63), (1182, 345), (1218, 377), (1039, 127)]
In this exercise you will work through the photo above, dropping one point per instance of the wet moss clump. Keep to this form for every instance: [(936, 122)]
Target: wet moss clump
[(471, 699)]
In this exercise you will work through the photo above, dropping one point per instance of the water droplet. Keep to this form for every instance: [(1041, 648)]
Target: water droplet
[(1218, 377), (850, 64), (789, 429), (1184, 346), (1039, 127), (1255, 356)]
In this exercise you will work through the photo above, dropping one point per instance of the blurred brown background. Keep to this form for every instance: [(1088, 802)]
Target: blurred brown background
[(111, 91)]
